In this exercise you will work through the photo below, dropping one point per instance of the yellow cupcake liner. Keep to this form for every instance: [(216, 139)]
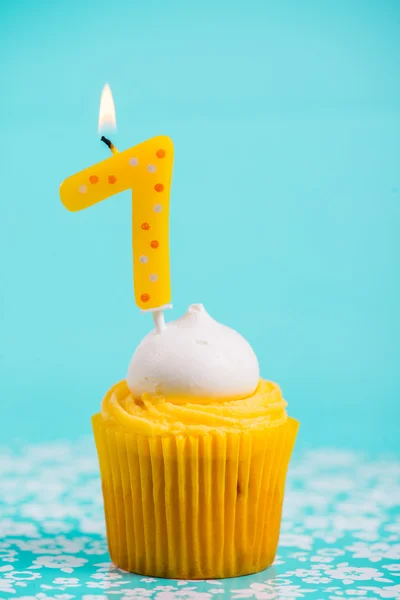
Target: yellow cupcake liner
[(193, 507)]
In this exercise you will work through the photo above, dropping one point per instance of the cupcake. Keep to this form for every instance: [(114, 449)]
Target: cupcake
[(193, 449)]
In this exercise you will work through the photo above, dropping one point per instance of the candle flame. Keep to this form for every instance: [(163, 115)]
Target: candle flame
[(107, 119)]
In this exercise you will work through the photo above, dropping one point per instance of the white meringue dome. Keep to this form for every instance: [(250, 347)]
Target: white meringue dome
[(194, 357)]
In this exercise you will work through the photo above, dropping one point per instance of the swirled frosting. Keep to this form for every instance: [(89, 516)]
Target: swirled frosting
[(196, 376), (152, 415)]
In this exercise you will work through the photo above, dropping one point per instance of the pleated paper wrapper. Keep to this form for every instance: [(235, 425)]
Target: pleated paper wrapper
[(193, 507)]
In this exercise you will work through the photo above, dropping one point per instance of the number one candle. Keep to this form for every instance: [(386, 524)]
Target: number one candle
[(146, 169)]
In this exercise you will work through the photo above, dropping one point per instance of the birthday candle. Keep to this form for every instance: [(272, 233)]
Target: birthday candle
[(146, 169)]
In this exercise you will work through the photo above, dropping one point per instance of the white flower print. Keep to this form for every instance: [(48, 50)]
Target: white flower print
[(57, 545), (12, 528), (98, 547), (394, 527), (355, 523), (137, 593), (316, 579), (327, 536), (304, 542), (26, 597), (63, 562), (108, 567), (5, 546), (300, 556), (92, 526), (322, 560), (348, 574), (106, 576), (348, 593), (22, 575), (261, 591), (394, 568), (7, 555), (330, 552), (54, 526), (366, 536), (184, 593), (46, 511), (293, 591), (105, 584), (375, 552), (6, 586), (315, 571), (65, 582), (392, 591), (131, 593), (5, 568)]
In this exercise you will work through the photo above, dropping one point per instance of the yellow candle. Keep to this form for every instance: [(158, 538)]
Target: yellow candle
[(146, 169)]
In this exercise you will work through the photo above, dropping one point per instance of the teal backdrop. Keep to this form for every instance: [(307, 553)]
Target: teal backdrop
[(285, 201)]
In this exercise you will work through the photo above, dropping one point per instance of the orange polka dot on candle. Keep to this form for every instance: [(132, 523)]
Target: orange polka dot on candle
[(93, 179), (145, 226), (159, 187), (154, 244), (145, 297), (160, 153), (112, 179)]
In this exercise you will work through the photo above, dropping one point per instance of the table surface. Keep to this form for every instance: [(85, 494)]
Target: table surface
[(339, 539)]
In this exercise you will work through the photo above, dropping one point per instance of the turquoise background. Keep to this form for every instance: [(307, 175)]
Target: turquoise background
[(285, 203)]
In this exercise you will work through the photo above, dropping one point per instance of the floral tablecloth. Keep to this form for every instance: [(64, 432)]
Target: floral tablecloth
[(339, 540)]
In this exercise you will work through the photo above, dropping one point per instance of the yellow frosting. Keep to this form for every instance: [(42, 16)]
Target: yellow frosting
[(156, 415)]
